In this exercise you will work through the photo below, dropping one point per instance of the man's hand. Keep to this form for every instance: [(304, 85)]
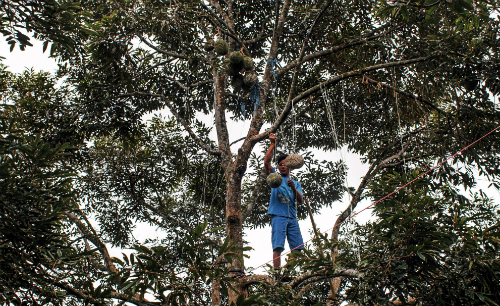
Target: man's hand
[(296, 193), (269, 154), (272, 137)]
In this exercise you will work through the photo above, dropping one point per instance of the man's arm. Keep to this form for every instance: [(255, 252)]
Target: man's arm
[(296, 193), (269, 154)]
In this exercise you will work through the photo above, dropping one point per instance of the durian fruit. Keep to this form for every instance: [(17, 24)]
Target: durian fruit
[(221, 47), (274, 180), (248, 63), (250, 79), (235, 57), (209, 45), (294, 161), (237, 82), (233, 69)]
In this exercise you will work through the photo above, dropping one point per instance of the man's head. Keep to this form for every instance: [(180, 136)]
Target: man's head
[(282, 169)]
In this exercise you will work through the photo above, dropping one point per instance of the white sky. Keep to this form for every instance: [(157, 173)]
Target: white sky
[(259, 239)]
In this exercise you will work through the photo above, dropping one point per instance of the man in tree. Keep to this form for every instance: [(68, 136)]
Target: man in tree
[(282, 207)]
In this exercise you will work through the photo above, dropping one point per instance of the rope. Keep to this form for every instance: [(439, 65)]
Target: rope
[(371, 205), (273, 62), (255, 96), (385, 197), (400, 133), (329, 113)]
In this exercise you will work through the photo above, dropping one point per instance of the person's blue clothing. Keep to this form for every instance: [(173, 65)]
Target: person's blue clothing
[(286, 227), (283, 214), (282, 201)]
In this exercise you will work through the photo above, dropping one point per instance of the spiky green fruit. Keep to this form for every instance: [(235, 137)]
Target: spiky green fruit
[(235, 57), (248, 63), (221, 47), (209, 45), (250, 79), (274, 180)]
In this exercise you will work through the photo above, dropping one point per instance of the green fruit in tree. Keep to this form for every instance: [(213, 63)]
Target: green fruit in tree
[(209, 45), (250, 79), (235, 57), (221, 47), (248, 63)]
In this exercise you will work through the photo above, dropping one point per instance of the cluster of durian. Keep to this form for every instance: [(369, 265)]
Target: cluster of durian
[(237, 63), (294, 161), (274, 180), (221, 47)]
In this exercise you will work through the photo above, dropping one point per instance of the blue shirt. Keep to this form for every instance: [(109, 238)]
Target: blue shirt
[(282, 201)]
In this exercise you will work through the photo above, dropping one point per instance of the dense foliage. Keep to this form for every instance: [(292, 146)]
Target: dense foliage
[(403, 84)]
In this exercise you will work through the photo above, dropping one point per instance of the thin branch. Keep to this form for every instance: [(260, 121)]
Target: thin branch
[(230, 32), (74, 292), (153, 67), (291, 91), (181, 120), (309, 211), (236, 141), (374, 169), (136, 299), (256, 190), (176, 55), (258, 37), (426, 102)]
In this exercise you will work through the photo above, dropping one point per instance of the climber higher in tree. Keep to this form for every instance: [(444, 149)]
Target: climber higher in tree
[(282, 207)]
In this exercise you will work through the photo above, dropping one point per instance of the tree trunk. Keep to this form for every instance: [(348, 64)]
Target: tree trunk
[(234, 228)]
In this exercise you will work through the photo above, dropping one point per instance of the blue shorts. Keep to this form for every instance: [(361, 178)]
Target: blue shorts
[(286, 227)]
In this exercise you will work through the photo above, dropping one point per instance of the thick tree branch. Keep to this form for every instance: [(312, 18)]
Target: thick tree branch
[(335, 49), (220, 121), (321, 275), (254, 279), (282, 117), (257, 121), (95, 240)]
